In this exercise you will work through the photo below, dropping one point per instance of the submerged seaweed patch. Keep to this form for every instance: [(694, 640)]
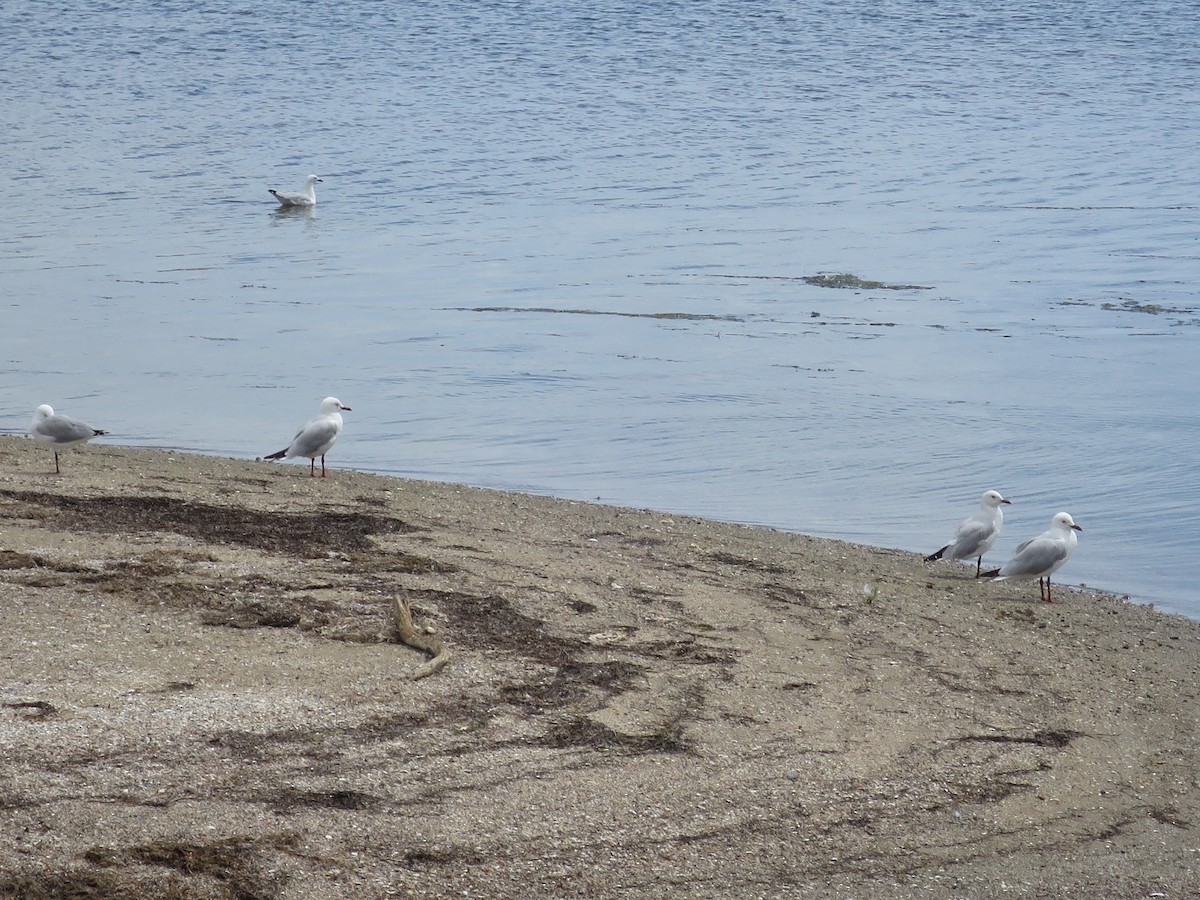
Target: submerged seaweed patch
[(690, 317), (1152, 309), (853, 282), (1176, 315), (829, 280)]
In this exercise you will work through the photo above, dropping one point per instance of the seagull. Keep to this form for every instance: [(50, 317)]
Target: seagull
[(307, 197), (976, 535), (315, 438), (59, 432), (1042, 556)]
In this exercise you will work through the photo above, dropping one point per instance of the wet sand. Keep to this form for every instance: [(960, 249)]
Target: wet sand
[(203, 695)]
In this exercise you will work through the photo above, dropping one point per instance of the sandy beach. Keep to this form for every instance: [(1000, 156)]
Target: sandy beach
[(204, 695)]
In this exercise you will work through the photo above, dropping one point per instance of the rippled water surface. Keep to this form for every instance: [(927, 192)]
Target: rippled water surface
[(572, 249)]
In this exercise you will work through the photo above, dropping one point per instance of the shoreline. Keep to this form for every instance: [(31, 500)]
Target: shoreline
[(204, 693), (1128, 596)]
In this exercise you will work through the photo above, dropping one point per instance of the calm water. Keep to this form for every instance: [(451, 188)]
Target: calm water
[(562, 248)]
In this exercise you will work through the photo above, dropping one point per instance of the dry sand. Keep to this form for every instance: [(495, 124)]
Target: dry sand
[(203, 695)]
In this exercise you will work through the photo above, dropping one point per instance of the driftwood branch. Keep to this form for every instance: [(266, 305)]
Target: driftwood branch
[(418, 640)]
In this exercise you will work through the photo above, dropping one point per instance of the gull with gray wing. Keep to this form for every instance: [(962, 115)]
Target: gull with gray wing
[(1042, 556), (316, 437), (976, 535), (57, 433), (307, 197)]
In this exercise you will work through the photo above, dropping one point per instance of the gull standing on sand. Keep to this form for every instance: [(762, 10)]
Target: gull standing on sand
[(59, 432), (1042, 556), (315, 438), (307, 197), (976, 535)]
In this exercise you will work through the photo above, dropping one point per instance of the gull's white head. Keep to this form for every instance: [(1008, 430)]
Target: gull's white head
[(43, 412), (332, 405), (1064, 522), (313, 179), (993, 500)]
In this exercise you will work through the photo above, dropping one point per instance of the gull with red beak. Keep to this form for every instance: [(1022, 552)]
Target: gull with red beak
[(976, 535), (315, 438), (306, 197), (1042, 556)]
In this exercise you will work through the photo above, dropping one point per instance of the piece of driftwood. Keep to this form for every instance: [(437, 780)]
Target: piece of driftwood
[(418, 640)]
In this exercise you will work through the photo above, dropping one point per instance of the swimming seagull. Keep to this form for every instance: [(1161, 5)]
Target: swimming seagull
[(307, 197), (976, 535), (59, 432), (1042, 556), (315, 438)]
